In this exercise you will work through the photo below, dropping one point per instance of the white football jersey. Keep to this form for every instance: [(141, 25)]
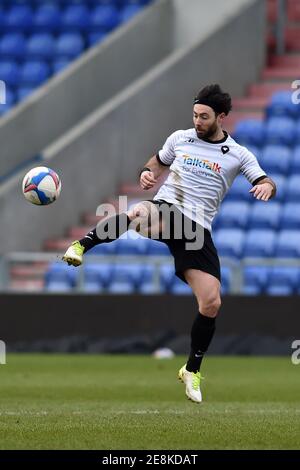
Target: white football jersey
[(202, 172)]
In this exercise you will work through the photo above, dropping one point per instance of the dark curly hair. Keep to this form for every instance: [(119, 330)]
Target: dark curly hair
[(213, 96)]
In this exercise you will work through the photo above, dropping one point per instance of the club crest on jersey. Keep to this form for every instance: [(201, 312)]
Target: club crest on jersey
[(197, 162), (224, 149)]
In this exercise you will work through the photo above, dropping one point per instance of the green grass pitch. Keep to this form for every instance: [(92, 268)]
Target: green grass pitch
[(136, 402)]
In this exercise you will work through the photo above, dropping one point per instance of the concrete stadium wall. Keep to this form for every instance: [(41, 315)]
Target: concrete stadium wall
[(112, 144)]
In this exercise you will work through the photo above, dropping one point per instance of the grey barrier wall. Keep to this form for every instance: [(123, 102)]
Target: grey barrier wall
[(112, 144), (33, 317)]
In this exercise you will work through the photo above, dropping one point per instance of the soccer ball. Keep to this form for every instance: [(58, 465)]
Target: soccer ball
[(41, 186)]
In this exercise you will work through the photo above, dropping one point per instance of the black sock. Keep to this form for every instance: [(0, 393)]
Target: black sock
[(201, 335), (106, 231)]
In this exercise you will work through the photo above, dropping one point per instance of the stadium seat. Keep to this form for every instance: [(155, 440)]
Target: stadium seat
[(178, 287), (23, 92), (230, 242), (293, 188), (285, 276), (279, 290), (59, 65), (259, 243), (40, 46), (58, 286), (103, 249), (155, 248), (233, 214), (226, 276), (167, 276), (12, 46), (250, 131), (34, 73), (47, 18), (127, 245), (69, 45), (124, 272), (239, 190), (290, 216), (95, 38), (10, 73), (275, 159), (104, 18), (129, 11), (288, 244), (281, 105), (19, 18), (75, 17), (295, 161), (100, 274), (121, 287), (280, 131), (61, 273), (255, 279), (265, 215)]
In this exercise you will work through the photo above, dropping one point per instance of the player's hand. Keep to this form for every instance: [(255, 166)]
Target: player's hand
[(262, 191), (147, 180)]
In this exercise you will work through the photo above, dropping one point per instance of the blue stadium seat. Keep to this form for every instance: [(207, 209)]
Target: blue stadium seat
[(250, 131), (154, 247), (288, 244), (47, 18), (290, 216), (284, 276), (233, 214), (59, 65), (40, 46), (19, 18), (75, 17), (280, 131), (23, 92), (240, 190), (226, 276), (260, 243), (59, 272), (281, 105), (12, 46), (95, 38), (255, 279), (69, 45), (265, 215), (279, 290), (230, 242), (34, 73), (129, 11), (167, 276), (93, 287), (276, 159), (295, 160), (293, 188), (132, 272), (58, 286), (127, 245), (104, 18), (100, 274), (281, 185), (103, 249), (10, 73), (121, 287), (178, 287)]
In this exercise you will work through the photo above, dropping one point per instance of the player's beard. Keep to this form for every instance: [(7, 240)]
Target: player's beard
[(210, 131)]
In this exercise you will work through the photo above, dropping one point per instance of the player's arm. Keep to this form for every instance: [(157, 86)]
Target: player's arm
[(151, 171), (264, 188)]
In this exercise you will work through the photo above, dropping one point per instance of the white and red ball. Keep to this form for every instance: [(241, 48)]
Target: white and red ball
[(41, 186)]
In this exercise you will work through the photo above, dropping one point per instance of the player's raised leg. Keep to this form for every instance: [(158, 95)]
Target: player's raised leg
[(207, 291), (112, 228)]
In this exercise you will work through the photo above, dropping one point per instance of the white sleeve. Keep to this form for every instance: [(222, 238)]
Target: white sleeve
[(167, 154), (250, 167)]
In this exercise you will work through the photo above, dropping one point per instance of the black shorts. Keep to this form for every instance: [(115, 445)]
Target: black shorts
[(204, 259)]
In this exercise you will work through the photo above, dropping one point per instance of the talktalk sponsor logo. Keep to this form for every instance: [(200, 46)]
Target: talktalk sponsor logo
[(197, 162)]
